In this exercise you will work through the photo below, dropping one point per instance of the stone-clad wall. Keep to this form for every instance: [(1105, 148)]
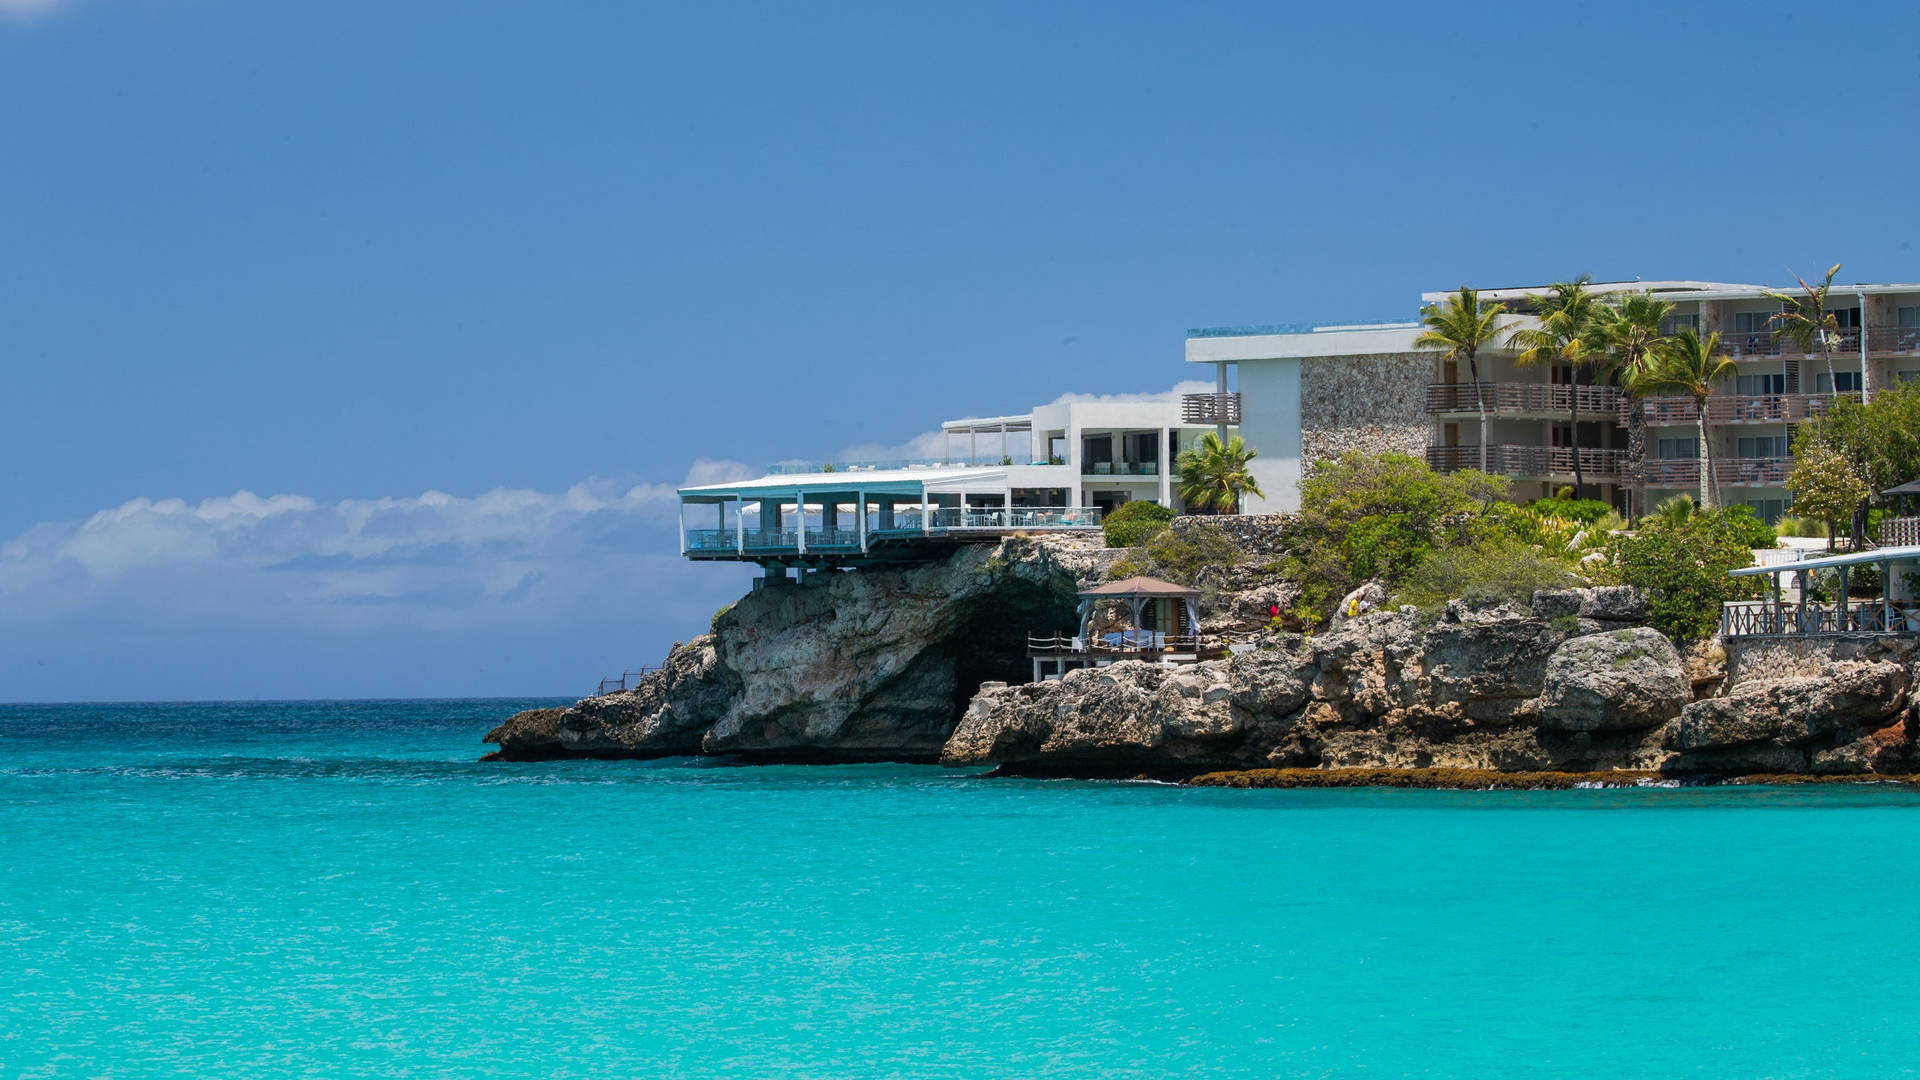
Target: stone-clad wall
[(1372, 404)]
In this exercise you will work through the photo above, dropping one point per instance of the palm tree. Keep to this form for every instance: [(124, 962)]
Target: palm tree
[(1462, 328), (1688, 364), (1805, 321), (1565, 335), (1214, 474), (1629, 328)]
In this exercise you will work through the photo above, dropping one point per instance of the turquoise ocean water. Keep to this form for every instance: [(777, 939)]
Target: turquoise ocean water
[(340, 889)]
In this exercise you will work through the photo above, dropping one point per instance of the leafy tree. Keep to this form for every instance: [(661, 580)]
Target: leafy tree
[(1368, 516), (1805, 321), (1682, 561), (1565, 336), (1629, 329), (1461, 329), (1688, 364), (1132, 522), (1824, 484), (1497, 567), (1880, 438), (1214, 474)]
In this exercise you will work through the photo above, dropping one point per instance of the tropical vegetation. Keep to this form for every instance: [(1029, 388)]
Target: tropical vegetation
[(1880, 441), (1688, 364), (1569, 317), (1460, 329), (1806, 321), (1214, 475), (1132, 522), (1631, 333)]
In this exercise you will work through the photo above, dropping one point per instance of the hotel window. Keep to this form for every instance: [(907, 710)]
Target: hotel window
[(1770, 510), (1846, 317), (1849, 381), (1756, 385), (1763, 446), (1908, 376), (1678, 449), (1673, 324), (1910, 317), (1752, 322)]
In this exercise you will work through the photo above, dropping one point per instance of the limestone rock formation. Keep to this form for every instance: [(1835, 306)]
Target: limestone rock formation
[(1618, 680), (869, 665)]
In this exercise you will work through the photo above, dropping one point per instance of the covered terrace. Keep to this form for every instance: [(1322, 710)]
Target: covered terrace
[(1791, 613), (858, 516), (1136, 618)]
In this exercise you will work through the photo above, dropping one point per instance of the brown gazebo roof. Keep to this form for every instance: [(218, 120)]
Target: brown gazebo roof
[(1141, 586)]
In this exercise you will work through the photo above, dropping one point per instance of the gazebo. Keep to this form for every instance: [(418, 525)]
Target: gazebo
[(1162, 625)]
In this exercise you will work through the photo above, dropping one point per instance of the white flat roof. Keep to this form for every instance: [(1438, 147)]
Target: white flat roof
[(1903, 553), (1333, 341), (873, 481), (986, 423)]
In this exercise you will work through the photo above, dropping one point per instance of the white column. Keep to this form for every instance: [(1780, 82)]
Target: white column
[(926, 511), (740, 525), (946, 446), (1220, 382), (683, 526), (860, 518), (1865, 388), (800, 519), (973, 446), (1166, 469)]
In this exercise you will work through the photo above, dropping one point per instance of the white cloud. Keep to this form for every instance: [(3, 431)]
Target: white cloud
[(434, 554), (712, 471)]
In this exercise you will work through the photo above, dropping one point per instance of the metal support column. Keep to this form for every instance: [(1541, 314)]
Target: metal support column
[(860, 518), (800, 519)]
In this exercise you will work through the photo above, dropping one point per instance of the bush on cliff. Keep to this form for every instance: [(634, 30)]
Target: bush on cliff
[(1682, 561), (1496, 568), (1365, 516), (1133, 522), (1178, 556)]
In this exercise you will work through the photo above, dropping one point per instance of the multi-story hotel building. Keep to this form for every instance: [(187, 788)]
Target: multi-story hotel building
[(1307, 392)]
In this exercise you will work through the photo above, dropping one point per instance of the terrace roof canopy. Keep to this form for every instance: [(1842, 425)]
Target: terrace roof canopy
[(1140, 586), (1889, 555), (911, 481)]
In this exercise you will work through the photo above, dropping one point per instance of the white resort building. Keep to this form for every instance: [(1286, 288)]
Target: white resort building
[(1304, 392), (1059, 467)]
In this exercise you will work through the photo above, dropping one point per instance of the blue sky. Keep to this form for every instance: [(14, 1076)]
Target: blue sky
[(354, 348)]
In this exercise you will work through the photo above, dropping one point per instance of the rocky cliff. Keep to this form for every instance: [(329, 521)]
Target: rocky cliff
[(1573, 685), (927, 663), (875, 664)]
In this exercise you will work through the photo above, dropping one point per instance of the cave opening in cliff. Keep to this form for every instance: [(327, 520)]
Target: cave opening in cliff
[(991, 642)]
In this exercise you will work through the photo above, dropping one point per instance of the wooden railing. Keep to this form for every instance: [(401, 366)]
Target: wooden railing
[(1210, 408), (1738, 408), (1764, 618), (1900, 531), (1530, 460), (1131, 643), (1727, 472), (1552, 399)]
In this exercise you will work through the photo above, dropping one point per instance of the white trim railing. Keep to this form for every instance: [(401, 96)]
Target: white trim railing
[(1764, 618)]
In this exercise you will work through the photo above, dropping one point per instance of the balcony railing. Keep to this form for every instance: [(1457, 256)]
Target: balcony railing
[(1045, 517), (1120, 468), (1541, 399), (1751, 344), (1899, 532), (1739, 408), (1764, 618), (1893, 339), (1210, 408), (1748, 344), (1552, 461), (1122, 645), (1727, 472)]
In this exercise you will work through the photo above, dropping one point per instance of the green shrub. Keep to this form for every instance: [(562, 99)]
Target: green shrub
[(1378, 516), (1753, 532), (1584, 511), (714, 624), (1682, 561), (1801, 527), (1180, 558), (1493, 569), (1131, 523)]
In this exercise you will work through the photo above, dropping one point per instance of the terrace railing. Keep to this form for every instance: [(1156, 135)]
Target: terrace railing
[(1727, 472), (1068, 517), (1738, 408), (1530, 460), (1120, 468), (1899, 532), (1764, 618), (1546, 399), (1210, 408), (1116, 645), (1747, 344), (1893, 339)]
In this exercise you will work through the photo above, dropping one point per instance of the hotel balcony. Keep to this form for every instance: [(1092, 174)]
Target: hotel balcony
[(1552, 400), (1119, 468), (1531, 461), (1881, 340), (1210, 408), (1727, 472), (1739, 409)]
